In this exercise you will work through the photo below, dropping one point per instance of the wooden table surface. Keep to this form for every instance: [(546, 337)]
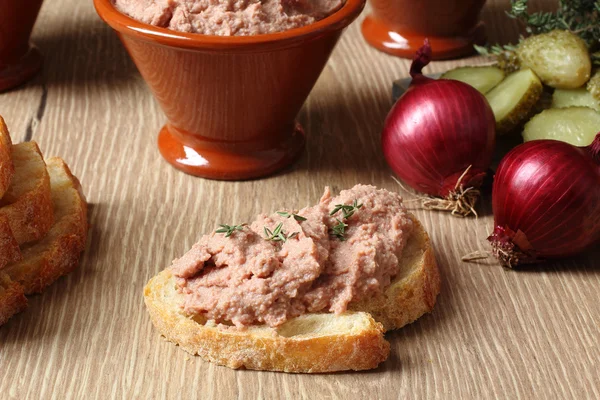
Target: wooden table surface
[(494, 333)]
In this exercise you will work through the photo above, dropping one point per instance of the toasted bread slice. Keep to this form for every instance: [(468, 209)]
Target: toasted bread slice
[(309, 343), (312, 342), (12, 298), (58, 252), (9, 248), (28, 204), (7, 168)]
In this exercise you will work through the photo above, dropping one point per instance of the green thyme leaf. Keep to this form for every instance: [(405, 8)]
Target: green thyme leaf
[(339, 230), (347, 210), (278, 234), (228, 230), (297, 217)]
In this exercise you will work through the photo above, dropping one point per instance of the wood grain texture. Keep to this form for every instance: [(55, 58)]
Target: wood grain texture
[(494, 333)]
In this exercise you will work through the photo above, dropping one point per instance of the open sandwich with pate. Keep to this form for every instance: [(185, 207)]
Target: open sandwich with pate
[(307, 291)]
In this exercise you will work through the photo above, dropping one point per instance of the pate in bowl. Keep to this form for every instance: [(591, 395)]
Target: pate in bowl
[(230, 75)]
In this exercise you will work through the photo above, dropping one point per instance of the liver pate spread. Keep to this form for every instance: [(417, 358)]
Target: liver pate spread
[(228, 17), (246, 279)]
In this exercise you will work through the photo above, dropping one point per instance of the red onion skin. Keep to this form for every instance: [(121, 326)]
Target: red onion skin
[(436, 131), (546, 201)]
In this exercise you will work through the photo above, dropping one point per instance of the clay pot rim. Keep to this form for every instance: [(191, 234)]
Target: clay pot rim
[(126, 25)]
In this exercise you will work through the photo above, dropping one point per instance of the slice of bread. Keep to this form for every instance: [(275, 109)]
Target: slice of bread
[(9, 248), (12, 298), (7, 168), (27, 204), (58, 252), (312, 342)]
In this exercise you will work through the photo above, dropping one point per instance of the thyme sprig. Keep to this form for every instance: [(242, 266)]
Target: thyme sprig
[(496, 49), (297, 217), (228, 230), (339, 230), (578, 16), (347, 210), (278, 234)]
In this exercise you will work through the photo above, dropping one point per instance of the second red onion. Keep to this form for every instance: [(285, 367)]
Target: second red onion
[(546, 201)]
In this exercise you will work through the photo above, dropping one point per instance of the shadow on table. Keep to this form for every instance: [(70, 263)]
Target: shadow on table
[(89, 53), (587, 263), (65, 297), (343, 130)]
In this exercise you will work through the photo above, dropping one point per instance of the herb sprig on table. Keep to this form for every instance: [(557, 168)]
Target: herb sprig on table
[(228, 230), (578, 16)]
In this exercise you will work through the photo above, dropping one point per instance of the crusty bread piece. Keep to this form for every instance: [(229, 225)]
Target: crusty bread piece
[(58, 252), (12, 298), (7, 168), (9, 248), (27, 204), (312, 342)]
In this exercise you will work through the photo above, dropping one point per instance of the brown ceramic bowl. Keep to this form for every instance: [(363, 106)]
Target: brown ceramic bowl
[(19, 61), (398, 27), (231, 102)]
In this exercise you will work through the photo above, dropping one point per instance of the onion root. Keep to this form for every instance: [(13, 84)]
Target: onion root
[(506, 251), (460, 202)]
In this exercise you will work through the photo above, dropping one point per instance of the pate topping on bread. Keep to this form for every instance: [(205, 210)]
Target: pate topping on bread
[(285, 265)]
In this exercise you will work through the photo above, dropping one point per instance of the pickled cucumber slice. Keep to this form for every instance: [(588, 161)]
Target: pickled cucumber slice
[(514, 98), (563, 98), (483, 79), (593, 85), (560, 58), (575, 125), (508, 62)]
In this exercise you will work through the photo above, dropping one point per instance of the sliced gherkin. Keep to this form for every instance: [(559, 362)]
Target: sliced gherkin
[(508, 62), (593, 85), (575, 125), (563, 98), (483, 78), (514, 99)]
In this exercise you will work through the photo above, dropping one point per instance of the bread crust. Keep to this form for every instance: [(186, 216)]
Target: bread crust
[(7, 169), (28, 204), (297, 345), (413, 291), (12, 298), (9, 248), (59, 251)]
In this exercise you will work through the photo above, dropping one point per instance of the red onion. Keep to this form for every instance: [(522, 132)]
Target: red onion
[(546, 201), (439, 138)]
